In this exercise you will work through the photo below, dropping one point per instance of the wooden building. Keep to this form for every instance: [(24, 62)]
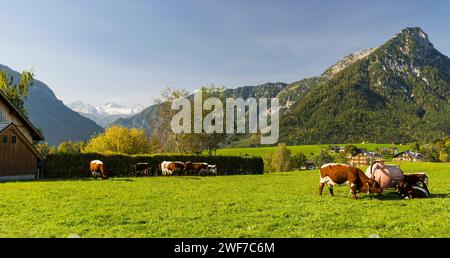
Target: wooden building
[(408, 156), (18, 156), (362, 157)]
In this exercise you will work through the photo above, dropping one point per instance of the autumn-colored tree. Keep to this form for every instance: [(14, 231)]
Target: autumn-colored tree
[(161, 127), (45, 149), (70, 147), (267, 159), (281, 158), (211, 141), (16, 92), (185, 142), (120, 140)]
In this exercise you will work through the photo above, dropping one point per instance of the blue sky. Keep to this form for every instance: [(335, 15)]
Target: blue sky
[(128, 51)]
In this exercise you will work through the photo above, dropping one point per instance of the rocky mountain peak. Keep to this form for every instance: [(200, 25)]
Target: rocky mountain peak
[(346, 61), (415, 33), (413, 43)]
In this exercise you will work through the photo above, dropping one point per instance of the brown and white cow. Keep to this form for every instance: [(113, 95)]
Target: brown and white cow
[(170, 167), (195, 168), (388, 176), (98, 169), (337, 174)]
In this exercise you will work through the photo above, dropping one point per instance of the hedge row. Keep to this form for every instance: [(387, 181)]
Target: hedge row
[(77, 165)]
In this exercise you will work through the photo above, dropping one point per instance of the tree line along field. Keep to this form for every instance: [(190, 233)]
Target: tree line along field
[(274, 205), (306, 149)]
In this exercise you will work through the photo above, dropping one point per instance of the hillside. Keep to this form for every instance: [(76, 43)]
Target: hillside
[(57, 122), (398, 92), (143, 119)]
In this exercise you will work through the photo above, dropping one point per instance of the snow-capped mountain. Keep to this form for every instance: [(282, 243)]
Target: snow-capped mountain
[(80, 107), (55, 120), (105, 114), (115, 109)]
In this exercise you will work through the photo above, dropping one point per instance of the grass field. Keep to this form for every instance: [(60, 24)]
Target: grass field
[(306, 149), (275, 205)]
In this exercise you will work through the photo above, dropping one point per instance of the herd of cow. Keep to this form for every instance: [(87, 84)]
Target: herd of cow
[(377, 178), (168, 168)]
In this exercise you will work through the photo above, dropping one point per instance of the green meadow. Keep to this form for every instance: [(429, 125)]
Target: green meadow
[(276, 205), (306, 149)]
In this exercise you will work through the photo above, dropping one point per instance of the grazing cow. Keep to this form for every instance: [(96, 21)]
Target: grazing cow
[(388, 176), (191, 168), (337, 174), (97, 169), (410, 191), (141, 169), (212, 170), (170, 167), (419, 179)]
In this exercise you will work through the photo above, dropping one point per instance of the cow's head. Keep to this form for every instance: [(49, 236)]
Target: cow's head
[(212, 169), (404, 189), (372, 186)]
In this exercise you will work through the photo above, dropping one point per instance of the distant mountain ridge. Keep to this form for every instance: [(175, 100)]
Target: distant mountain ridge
[(143, 119), (57, 122), (397, 92), (106, 114)]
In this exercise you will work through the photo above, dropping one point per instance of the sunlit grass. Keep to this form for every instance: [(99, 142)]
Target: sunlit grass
[(275, 205)]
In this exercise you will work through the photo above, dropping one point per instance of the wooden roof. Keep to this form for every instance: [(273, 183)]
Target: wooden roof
[(36, 134), (4, 125)]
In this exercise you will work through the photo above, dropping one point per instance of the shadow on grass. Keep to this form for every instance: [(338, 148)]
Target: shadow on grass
[(80, 179), (386, 196), (122, 179), (189, 178), (389, 196), (439, 195)]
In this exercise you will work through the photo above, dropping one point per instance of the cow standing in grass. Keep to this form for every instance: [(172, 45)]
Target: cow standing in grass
[(337, 174), (192, 168), (98, 169), (168, 168)]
